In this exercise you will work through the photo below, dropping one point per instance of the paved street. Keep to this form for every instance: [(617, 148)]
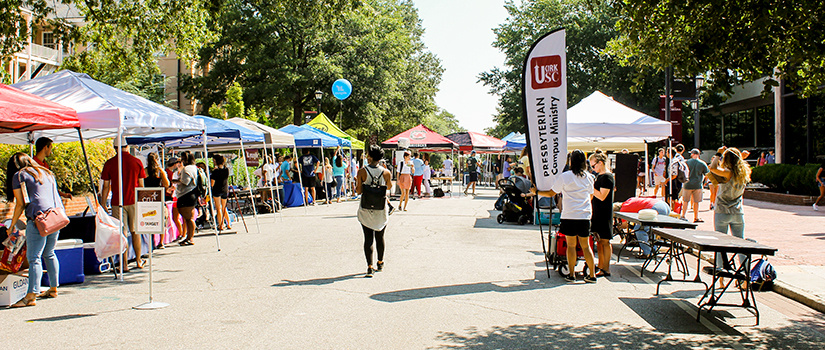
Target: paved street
[(453, 278)]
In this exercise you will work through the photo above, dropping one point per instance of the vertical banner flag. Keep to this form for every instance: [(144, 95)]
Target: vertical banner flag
[(545, 107)]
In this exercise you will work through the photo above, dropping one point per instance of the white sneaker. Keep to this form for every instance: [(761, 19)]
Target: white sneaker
[(816, 207)]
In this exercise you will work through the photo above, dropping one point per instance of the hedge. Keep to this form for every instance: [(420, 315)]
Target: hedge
[(794, 179), (66, 162)]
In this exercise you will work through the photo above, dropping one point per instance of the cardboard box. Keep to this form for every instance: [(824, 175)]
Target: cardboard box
[(13, 287)]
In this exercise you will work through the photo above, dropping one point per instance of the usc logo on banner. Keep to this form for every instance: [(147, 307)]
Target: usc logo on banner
[(546, 72)]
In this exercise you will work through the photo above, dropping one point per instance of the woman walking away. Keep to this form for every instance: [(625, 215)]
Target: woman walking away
[(34, 190), (576, 186), (729, 213), (602, 221), (373, 221), (156, 177), (187, 198), (339, 169), (405, 170), (820, 181), (220, 190)]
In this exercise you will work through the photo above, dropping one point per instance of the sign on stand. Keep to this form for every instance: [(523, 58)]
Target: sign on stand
[(149, 208)]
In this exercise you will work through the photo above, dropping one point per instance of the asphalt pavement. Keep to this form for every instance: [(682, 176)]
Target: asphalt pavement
[(454, 278)]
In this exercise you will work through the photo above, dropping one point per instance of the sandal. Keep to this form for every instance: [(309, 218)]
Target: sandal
[(698, 220), (139, 263), (23, 303), (49, 294), (642, 256), (602, 273)]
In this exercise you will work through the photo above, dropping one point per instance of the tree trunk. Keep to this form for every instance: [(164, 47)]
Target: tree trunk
[(297, 114)]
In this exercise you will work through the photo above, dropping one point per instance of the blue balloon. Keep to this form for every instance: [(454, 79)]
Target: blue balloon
[(341, 89)]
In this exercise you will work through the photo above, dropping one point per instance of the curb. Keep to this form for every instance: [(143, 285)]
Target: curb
[(789, 292)]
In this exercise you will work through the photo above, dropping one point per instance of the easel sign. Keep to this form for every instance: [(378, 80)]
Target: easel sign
[(149, 209)]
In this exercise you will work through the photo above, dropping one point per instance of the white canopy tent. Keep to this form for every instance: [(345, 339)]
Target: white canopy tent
[(599, 121), (103, 111)]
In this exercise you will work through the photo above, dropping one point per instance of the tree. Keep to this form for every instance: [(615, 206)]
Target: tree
[(376, 45), (730, 41), (444, 123), (119, 40), (234, 102), (590, 26)]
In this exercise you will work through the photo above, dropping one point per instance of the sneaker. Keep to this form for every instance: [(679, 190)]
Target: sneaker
[(588, 279), (570, 278), (370, 272), (392, 209), (816, 207), (379, 267)]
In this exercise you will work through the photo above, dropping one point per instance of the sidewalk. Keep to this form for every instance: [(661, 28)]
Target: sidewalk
[(799, 234)]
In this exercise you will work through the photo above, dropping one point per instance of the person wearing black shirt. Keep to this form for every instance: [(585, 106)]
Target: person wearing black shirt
[(308, 163), (602, 220), (220, 190)]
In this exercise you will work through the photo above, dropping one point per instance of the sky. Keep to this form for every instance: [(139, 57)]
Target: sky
[(460, 33)]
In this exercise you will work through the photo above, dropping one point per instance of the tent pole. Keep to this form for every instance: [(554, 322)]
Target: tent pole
[(88, 168), (119, 140), (323, 173), (209, 192), (249, 183), (647, 171)]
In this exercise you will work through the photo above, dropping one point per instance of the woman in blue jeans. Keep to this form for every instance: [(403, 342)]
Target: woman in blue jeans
[(33, 189), (339, 167), (729, 212)]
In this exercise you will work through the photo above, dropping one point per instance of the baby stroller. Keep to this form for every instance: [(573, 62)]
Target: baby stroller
[(514, 207)]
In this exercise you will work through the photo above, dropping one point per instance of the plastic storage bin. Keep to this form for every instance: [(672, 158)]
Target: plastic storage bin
[(70, 255), (91, 264)]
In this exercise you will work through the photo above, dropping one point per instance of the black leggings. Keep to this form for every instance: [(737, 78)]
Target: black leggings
[(369, 236)]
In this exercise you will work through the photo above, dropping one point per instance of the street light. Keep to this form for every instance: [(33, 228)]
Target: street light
[(318, 95)]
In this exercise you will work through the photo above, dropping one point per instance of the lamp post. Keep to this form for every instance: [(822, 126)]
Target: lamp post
[(318, 95), (700, 80)]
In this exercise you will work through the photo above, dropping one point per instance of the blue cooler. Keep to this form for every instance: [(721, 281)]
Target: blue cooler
[(70, 255), (91, 264)]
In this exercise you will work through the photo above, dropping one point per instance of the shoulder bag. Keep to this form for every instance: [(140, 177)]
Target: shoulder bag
[(51, 220), (373, 196)]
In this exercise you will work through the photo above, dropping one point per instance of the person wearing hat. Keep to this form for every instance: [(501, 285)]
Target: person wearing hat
[(133, 175), (693, 189)]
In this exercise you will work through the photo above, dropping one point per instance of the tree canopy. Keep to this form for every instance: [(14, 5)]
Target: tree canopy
[(281, 53), (590, 26), (731, 41)]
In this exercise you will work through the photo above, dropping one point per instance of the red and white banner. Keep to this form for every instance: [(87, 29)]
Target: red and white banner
[(545, 107)]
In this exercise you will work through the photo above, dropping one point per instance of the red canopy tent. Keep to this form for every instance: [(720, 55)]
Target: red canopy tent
[(474, 141), (421, 137), (22, 112)]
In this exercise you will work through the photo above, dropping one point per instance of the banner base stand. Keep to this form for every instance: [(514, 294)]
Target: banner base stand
[(151, 306)]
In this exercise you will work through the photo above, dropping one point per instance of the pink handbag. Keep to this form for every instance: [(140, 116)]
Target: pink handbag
[(52, 220)]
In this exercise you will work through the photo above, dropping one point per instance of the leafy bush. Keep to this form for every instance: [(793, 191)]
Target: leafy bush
[(795, 179), (67, 163)]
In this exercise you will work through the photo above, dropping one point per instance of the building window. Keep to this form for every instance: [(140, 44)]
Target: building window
[(48, 40)]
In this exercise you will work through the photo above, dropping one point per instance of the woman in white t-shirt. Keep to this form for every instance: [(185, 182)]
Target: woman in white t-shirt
[(427, 175), (405, 171), (577, 187)]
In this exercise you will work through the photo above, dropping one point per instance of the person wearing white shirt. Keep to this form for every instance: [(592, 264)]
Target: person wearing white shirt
[(577, 188), (448, 167)]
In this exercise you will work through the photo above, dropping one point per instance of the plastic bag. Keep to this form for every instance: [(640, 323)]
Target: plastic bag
[(108, 239)]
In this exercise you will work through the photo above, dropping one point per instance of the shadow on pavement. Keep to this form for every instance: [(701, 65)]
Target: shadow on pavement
[(317, 281), (666, 316), (469, 288), (492, 223), (616, 335)]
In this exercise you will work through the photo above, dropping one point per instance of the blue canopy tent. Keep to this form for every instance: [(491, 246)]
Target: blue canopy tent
[(515, 142), (309, 137), (219, 134)]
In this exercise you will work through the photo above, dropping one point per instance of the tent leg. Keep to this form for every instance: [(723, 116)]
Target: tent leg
[(88, 168), (647, 172), (277, 193), (123, 254), (251, 193), (209, 193)]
